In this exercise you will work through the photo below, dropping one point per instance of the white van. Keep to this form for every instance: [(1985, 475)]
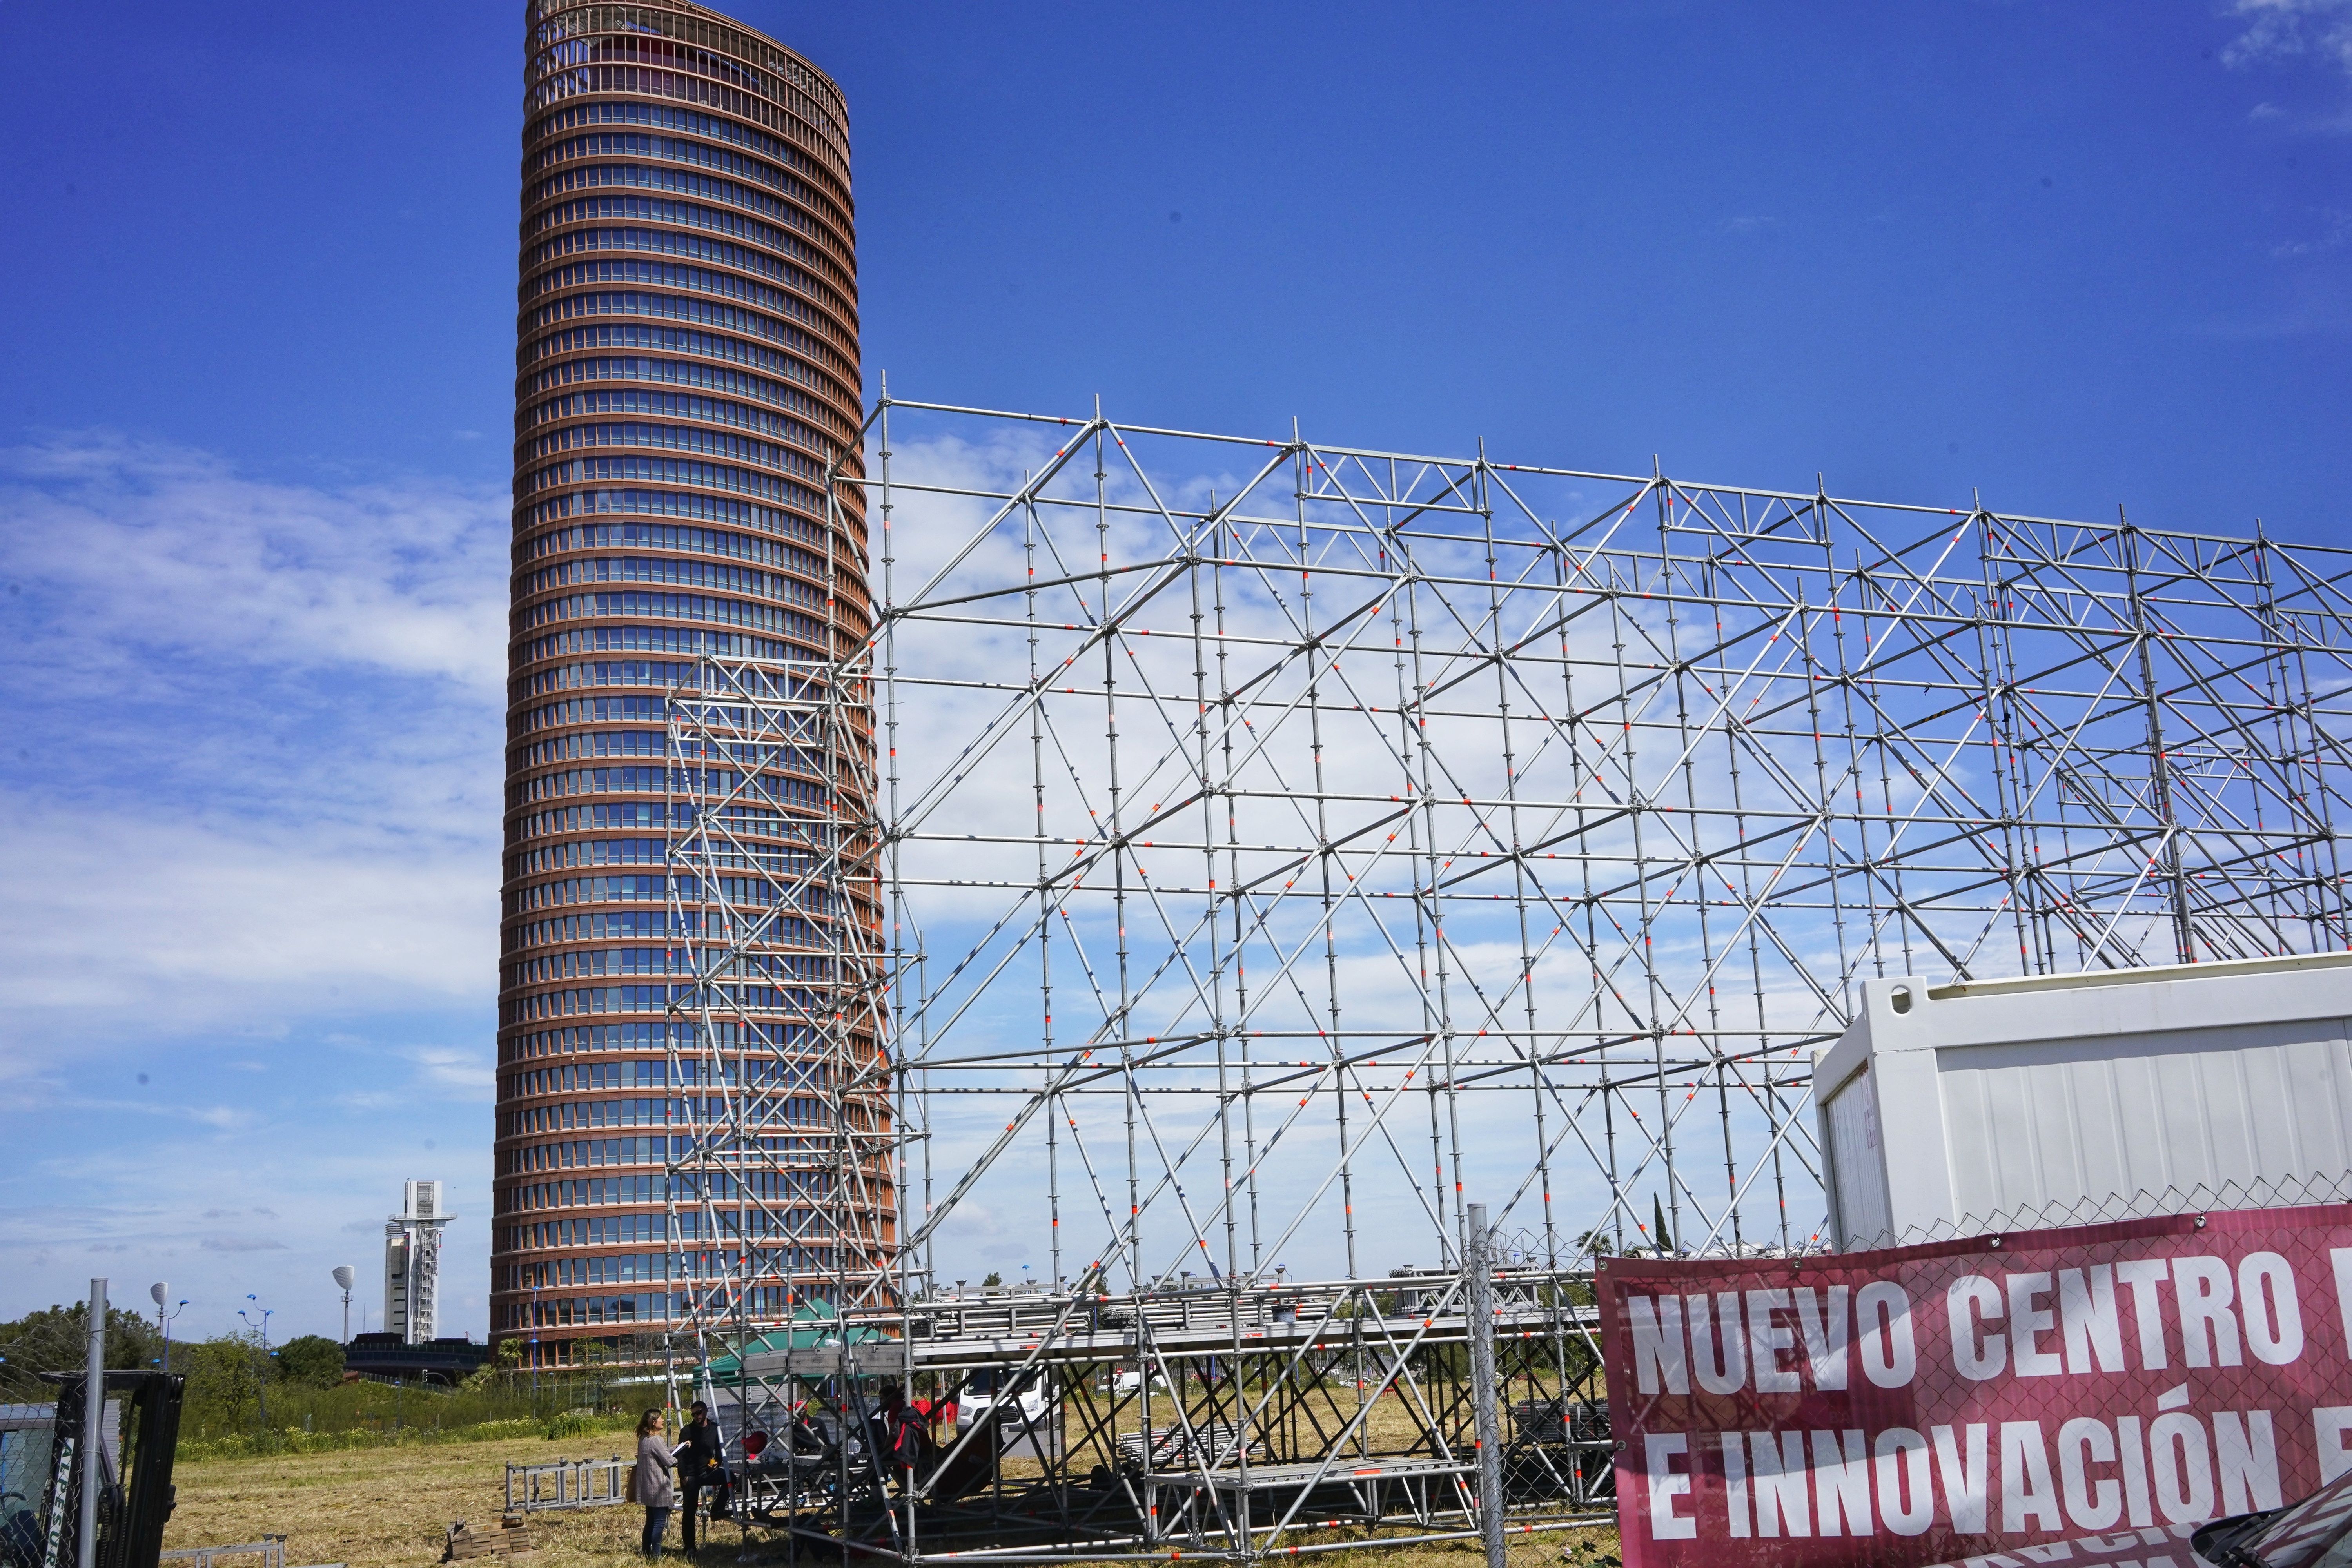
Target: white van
[(1127, 1380), (979, 1396)]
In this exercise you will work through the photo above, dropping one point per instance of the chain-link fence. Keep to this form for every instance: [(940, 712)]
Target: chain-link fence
[(2292, 1192), (36, 1351), (39, 1346), (25, 1449)]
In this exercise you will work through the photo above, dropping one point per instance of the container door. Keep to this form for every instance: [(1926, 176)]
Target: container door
[(1865, 1216)]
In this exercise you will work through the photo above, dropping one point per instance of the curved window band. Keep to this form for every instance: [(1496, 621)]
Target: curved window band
[(691, 154), (679, 373), (686, 214), (670, 503), (688, 308), (678, 406), (662, 116), (686, 540), (652, 639), (668, 275)]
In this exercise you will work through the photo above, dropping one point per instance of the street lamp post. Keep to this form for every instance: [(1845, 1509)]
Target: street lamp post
[(261, 1384), (161, 1294)]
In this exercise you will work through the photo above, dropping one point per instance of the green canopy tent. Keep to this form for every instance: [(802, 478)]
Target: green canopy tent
[(815, 1325)]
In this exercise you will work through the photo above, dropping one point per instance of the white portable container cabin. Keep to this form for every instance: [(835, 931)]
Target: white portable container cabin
[(1998, 1105)]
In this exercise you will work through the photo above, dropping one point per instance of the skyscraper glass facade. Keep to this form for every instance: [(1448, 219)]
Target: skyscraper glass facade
[(687, 370)]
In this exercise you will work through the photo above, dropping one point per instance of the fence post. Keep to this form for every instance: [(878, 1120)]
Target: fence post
[(93, 1425), (1478, 1257)]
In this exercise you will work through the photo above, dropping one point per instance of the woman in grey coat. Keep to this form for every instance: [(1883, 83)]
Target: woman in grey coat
[(652, 1480)]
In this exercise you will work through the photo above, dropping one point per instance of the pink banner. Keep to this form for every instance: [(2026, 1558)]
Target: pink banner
[(1928, 1404)]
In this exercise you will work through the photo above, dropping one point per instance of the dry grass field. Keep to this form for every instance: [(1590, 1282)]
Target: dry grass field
[(390, 1508)]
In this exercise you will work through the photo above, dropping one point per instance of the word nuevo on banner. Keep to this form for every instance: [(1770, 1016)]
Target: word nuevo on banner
[(1918, 1404)]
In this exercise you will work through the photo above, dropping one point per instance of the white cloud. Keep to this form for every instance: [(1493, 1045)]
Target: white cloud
[(253, 771), (466, 1070), (257, 764), (2333, 229), (2283, 30), (169, 548), (140, 914)]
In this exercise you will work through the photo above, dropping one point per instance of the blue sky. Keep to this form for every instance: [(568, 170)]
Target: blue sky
[(254, 401)]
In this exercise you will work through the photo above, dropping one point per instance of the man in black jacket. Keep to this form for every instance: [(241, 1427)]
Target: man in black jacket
[(701, 1458)]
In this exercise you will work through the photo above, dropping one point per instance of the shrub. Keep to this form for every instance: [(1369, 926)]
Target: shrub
[(314, 1361), (223, 1384)]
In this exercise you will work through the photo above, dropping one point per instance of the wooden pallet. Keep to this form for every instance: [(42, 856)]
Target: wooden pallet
[(512, 1535)]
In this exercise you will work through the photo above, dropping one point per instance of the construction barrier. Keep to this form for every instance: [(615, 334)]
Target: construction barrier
[(567, 1484)]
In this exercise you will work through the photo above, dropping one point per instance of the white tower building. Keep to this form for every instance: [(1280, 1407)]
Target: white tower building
[(411, 1262)]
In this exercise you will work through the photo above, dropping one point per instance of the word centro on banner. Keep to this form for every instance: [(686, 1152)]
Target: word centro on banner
[(1921, 1405)]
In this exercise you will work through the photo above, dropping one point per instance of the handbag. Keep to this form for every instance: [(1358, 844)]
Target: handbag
[(630, 1495)]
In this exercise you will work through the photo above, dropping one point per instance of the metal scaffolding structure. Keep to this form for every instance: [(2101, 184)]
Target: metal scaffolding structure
[(778, 1189), (1279, 845)]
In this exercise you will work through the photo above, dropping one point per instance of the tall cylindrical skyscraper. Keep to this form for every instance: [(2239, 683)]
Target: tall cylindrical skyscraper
[(686, 381)]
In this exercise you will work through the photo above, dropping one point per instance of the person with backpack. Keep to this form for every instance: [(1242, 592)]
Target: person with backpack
[(896, 1435), (701, 1458)]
